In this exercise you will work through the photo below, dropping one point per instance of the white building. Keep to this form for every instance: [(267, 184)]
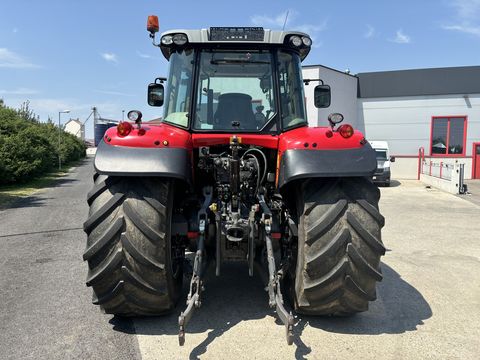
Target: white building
[(75, 127), (436, 110)]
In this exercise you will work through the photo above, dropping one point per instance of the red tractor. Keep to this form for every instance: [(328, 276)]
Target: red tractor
[(234, 173)]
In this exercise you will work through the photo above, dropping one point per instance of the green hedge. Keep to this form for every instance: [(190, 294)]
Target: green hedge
[(29, 148)]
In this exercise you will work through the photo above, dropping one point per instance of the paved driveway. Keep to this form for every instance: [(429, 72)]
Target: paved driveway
[(45, 308), (428, 304), (473, 194)]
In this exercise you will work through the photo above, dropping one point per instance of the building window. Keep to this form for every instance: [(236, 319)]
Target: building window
[(448, 136)]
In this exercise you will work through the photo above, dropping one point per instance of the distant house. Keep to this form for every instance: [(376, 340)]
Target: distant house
[(75, 127)]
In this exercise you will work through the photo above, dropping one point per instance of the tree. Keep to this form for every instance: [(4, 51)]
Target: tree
[(26, 113), (29, 148)]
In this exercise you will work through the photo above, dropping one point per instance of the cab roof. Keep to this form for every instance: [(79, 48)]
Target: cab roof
[(256, 36)]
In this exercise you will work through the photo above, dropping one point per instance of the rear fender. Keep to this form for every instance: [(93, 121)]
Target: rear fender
[(311, 154), (161, 151), (131, 161)]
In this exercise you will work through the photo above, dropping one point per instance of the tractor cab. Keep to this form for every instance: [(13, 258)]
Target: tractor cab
[(234, 79)]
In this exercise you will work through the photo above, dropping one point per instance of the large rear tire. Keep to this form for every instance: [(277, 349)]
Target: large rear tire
[(339, 246), (129, 250)]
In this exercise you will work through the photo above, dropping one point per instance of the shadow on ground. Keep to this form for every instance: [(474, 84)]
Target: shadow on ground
[(8, 200), (393, 183), (234, 297), (473, 192), (36, 200), (399, 308)]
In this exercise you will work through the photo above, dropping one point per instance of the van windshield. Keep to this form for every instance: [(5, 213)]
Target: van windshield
[(381, 154)]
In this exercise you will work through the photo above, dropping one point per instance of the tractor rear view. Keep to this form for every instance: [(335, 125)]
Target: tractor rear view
[(234, 173)]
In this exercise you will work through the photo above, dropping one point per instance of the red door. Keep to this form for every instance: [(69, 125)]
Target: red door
[(476, 160)]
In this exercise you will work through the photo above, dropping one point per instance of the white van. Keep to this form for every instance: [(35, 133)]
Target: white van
[(382, 174)]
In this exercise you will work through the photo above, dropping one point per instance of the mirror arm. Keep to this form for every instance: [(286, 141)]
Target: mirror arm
[(307, 81), (152, 36)]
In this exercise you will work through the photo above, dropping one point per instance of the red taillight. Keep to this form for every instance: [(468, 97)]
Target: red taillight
[(192, 234), (346, 131), (124, 128)]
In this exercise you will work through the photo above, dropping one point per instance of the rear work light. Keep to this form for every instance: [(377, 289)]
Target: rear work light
[(179, 39), (174, 39), (306, 41), (296, 41), (346, 131), (124, 128), (167, 40)]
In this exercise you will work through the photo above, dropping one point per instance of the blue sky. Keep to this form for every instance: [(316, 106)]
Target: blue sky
[(65, 54)]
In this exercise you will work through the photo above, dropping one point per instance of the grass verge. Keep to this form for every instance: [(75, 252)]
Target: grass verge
[(11, 193)]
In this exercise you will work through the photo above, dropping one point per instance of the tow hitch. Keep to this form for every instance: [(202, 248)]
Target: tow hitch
[(196, 283), (275, 277)]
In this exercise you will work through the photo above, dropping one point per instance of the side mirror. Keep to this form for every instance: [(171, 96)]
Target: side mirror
[(155, 94), (322, 96), (392, 158)]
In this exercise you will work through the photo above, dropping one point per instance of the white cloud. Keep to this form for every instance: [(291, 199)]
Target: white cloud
[(49, 107), (277, 22), (273, 21), (311, 29), (467, 9), (52, 106), (468, 29), (142, 55), (19, 91), (370, 32), (401, 38), (107, 92), (110, 57), (467, 13), (10, 59), (111, 110)]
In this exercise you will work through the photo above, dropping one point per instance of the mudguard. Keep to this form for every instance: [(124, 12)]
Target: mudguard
[(134, 161), (300, 164)]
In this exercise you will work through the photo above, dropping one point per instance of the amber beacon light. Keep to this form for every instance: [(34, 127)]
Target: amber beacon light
[(152, 24)]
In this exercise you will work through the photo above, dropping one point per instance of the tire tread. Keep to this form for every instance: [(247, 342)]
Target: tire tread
[(128, 246), (338, 261)]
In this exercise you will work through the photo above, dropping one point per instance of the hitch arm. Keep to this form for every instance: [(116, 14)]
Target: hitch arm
[(275, 293), (196, 287), (275, 277), (196, 283)]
